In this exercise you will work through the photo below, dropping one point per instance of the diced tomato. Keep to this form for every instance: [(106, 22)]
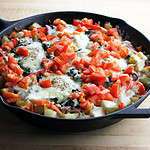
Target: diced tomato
[(75, 94), (27, 33), (114, 76), (124, 51), (47, 63), (55, 108), (98, 36), (15, 42), (42, 29), (29, 107), (16, 68), (50, 37), (129, 85), (90, 26), (95, 99), (59, 61), (116, 67), (86, 20), (10, 84), (124, 78), (11, 59), (24, 83), (99, 76), (115, 54), (12, 35), (105, 95), (3, 55), (59, 21), (12, 77), (92, 68), (45, 83), (81, 29), (10, 97), (129, 69), (22, 51), (85, 105), (64, 67), (92, 89), (115, 90), (95, 45), (51, 49), (121, 105), (141, 87), (107, 65), (60, 27), (113, 32)]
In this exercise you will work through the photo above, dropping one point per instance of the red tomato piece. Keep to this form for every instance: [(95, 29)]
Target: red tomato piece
[(10, 97), (115, 90), (124, 78), (24, 83), (16, 68), (85, 105), (11, 59), (22, 51), (128, 70), (99, 76), (141, 87), (45, 83), (92, 89)]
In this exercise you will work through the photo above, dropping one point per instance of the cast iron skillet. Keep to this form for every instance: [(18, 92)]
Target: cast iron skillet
[(59, 124)]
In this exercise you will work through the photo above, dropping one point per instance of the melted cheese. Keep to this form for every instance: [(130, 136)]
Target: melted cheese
[(125, 96), (36, 53), (81, 40), (59, 91)]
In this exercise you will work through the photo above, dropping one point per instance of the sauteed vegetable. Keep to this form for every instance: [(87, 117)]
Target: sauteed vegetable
[(77, 70)]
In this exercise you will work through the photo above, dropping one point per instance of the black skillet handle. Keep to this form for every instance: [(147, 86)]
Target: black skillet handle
[(133, 113), (4, 24)]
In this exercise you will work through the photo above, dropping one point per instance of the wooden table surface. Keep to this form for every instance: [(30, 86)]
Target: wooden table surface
[(129, 134)]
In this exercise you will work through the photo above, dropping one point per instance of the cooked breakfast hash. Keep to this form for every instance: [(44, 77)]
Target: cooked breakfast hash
[(77, 70)]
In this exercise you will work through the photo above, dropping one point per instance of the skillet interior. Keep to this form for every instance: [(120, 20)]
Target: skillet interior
[(58, 124)]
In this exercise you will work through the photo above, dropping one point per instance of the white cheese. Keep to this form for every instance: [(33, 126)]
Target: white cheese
[(69, 28), (84, 54), (33, 60), (122, 62), (125, 96), (63, 87), (81, 40)]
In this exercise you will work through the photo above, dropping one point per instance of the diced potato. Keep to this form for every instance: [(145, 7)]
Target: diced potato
[(34, 25), (109, 106), (19, 35), (4, 89), (5, 39), (23, 102), (70, 116), (142, 56), (49, 112), (107, 25), (139, 66), (134, 59), (134, 98), (97, 111)]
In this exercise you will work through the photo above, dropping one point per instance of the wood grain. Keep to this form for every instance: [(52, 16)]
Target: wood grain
[(129, 134)]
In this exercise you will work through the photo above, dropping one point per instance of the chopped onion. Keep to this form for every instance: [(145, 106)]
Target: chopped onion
[(48, 29)]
